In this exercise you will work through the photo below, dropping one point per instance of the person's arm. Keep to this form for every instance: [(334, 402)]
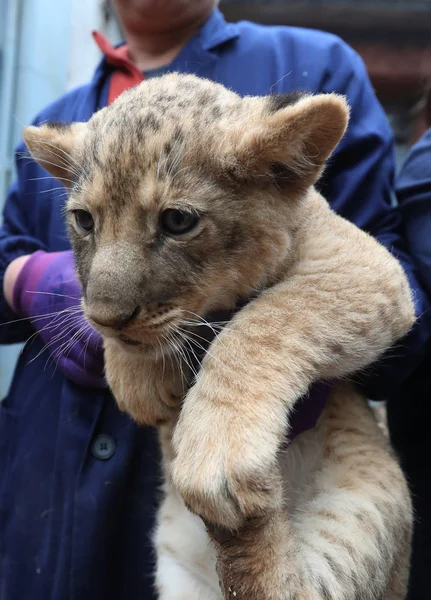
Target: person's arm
[(414, 197), (359, 183), (17, 239), (28, 208)]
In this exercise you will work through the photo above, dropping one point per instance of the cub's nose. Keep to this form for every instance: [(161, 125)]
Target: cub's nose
[(115, 319)]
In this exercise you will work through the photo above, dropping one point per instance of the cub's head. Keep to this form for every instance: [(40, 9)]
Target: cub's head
[(183, 198)]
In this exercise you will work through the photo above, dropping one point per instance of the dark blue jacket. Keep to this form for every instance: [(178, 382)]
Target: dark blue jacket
[(414, 197), (76, 510)]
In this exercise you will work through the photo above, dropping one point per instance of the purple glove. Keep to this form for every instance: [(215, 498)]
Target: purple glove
[(47, 291)]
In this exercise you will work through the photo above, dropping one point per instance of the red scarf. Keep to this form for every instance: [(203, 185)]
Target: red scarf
[(126, 75)]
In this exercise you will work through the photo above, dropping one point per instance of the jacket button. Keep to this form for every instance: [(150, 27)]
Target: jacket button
[(103, 447)]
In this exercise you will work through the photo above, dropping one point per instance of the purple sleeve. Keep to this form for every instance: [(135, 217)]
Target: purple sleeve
[(48, 292), (28, 281)]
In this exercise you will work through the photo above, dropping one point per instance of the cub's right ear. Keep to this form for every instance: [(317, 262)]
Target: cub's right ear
[(53, 146), (292, 135)]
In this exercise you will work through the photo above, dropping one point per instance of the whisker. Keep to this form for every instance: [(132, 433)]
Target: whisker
[(63, 333), (55, 320), (163, 355), (217, 336), (45, 347), (66, 348), (75, 339), (216, 324), (183, 355), (170, 354), (53, 294), (55, 189), (52, 178), (37, 317), (85, 347), (193, 353), (177, 355), (207, 351), (66, 322)]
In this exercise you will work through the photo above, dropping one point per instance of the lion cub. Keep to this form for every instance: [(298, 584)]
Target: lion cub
[(185, 199)]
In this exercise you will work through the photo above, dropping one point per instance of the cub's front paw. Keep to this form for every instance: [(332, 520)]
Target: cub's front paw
[(226, 463)]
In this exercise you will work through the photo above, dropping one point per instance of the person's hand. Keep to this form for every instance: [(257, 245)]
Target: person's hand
[(11, 275), (44, 288)]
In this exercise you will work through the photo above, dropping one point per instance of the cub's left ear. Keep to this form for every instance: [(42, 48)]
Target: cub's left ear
[(53, 146), (291, 137)]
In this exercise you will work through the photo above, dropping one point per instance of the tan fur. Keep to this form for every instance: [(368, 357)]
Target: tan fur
[(328, 301)]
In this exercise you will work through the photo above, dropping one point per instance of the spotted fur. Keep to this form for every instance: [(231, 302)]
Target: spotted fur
[(331, 517)]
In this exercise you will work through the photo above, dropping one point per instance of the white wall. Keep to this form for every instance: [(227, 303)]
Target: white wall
[(84, 55)]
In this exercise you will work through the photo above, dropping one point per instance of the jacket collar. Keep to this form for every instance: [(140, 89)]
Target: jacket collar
[(216, 32)]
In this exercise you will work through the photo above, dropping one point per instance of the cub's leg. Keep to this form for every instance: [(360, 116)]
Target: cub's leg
[(175, 582), (344, 535), (337, 308), (186, 557)]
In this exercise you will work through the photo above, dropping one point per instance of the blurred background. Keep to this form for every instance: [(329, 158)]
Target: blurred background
[(392, 36), (46, 48)]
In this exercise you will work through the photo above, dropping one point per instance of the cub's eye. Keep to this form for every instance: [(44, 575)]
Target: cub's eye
[(177, 222), (84, 220)]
